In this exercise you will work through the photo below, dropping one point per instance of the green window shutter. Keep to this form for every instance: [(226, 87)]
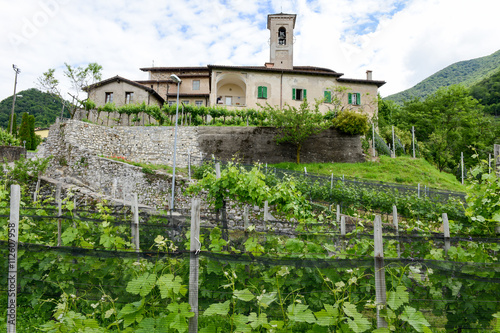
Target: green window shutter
[(293, 94), (328, 96), (305, 94), (349, 98), (359, 98), (259, 92), (264, 92)]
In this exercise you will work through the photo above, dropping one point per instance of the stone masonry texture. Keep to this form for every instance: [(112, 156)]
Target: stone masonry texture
[(79, 151)]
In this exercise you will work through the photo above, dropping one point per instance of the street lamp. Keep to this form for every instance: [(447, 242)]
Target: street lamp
[(177, 80), (17, 70)]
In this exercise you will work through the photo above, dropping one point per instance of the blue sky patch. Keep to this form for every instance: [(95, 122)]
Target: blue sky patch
[(370, 23)]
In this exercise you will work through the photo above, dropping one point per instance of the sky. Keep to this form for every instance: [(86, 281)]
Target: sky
[(401, 41)]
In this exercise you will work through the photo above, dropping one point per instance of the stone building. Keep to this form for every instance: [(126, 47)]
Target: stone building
[(122, 91), (278, 82)]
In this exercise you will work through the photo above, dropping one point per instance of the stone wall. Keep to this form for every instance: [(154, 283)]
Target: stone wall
[(148, 144), (256, 144), (11, 153), (80, 149), (154, 144), (75, 161)]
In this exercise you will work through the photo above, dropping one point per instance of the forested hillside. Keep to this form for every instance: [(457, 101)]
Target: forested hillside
[(447, 123), (467, 73), (487, 92), (45, 107)]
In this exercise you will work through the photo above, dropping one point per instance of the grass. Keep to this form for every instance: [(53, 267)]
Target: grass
[(402, 170), (146, 166)]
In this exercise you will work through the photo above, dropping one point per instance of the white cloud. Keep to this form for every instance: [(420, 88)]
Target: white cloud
[(401, 41)]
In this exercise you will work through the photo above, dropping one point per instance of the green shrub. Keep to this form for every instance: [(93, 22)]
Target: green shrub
[(148, 171), (22, 171), (6, 139), (89, 105), (351, 122)]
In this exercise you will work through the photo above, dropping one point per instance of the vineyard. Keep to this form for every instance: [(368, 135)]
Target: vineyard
[(96, 267)]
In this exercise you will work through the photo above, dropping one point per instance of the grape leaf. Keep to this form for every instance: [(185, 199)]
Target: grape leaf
[(414, 318), (244, 295), (142, 285), (396, 299), (217, 309)]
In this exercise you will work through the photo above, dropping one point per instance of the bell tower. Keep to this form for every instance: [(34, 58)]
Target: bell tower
[(281, 41)]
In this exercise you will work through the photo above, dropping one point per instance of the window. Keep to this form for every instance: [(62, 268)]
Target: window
[(328, 96), (129, 96), (354, 98), (262, 92), (109, 98), (170, 103), (185, 102), (299, 94), (198, 103), (282, 36), (196, 84)]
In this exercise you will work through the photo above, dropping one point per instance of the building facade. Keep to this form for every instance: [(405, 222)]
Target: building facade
[(121, 91), (277, 83)]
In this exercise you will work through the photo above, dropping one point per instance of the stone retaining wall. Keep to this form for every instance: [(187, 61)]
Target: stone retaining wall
[(11, 153), (76, 148), (154, 144)]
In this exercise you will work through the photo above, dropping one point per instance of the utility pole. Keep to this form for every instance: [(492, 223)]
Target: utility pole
[(17, 70)]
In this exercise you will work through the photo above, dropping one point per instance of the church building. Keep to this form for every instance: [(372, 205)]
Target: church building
[(278, 82)]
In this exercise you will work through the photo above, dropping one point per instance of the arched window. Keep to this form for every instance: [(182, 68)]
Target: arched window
[(282, 36)]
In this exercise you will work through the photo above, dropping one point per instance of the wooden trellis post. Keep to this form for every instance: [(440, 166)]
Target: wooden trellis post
[(342, 232), (245, 218), (37, 189), (189, 164), (446, 232), (380, 288), (15, 199), (395, 222), (225, 234), (194, 248), (496, 155), (59, 213), (135, 209)]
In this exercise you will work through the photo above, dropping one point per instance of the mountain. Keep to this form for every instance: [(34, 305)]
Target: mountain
[(467, 73), (488, 93), (44, 106)]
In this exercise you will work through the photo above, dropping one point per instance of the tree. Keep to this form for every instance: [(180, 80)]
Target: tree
[(24, 131), (388, 112), (14, 127), (294, 125), (449, 121), (79, 78), (33, 139)]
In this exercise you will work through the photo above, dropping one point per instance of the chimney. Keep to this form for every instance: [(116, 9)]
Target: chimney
[(369, 75)]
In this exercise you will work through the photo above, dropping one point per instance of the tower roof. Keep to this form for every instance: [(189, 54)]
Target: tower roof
[(281, 15)]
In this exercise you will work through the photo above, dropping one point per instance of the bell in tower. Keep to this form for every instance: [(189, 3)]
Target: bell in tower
[(282, 36), (281, 41)]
